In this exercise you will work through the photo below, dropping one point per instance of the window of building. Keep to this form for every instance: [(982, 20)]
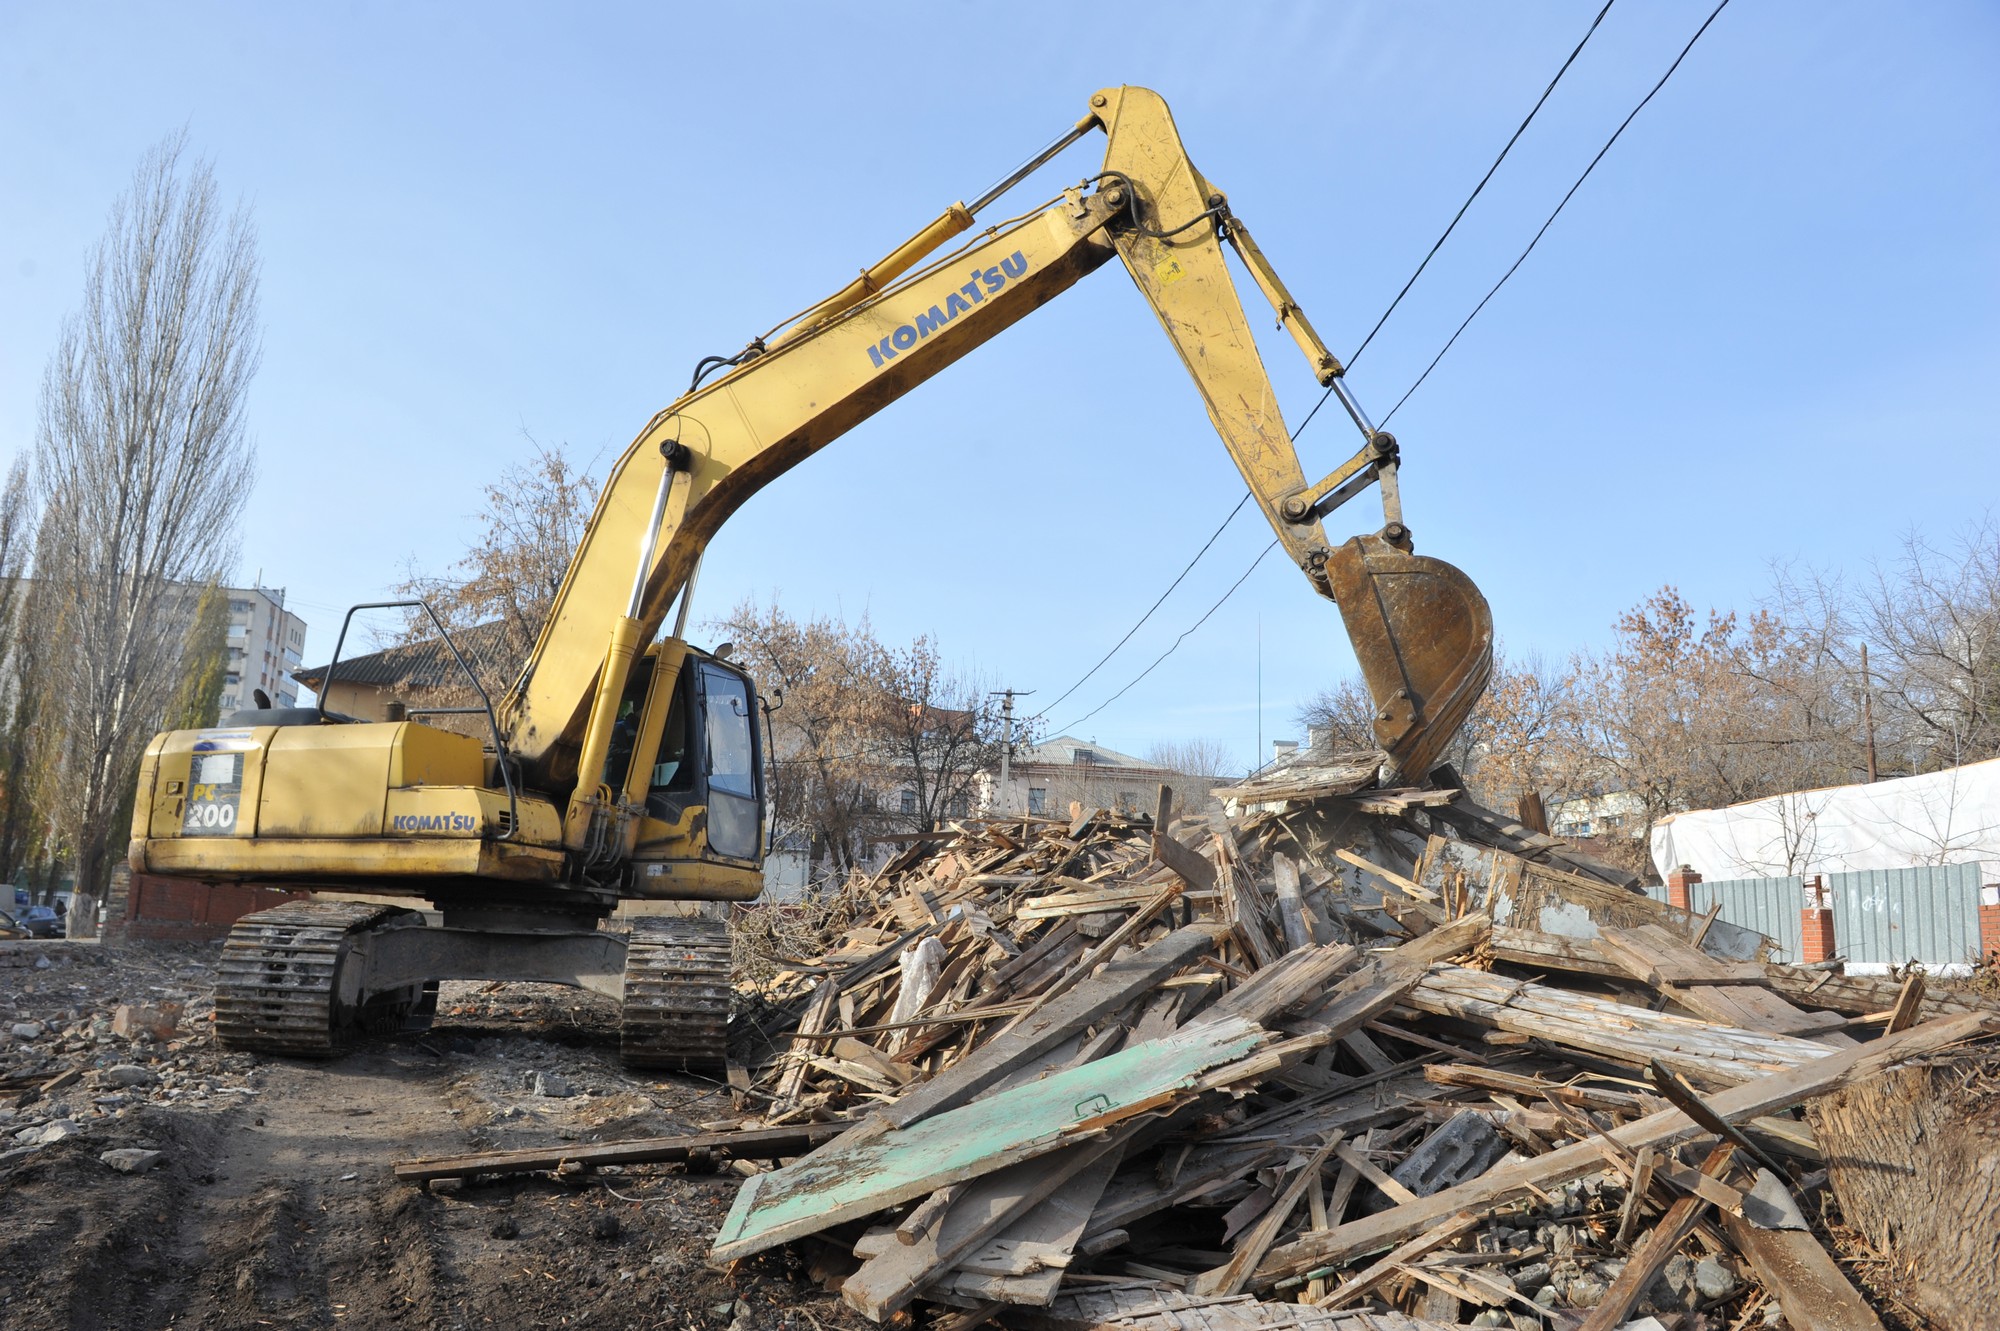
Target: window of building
[(1082, 756), (1038, 798), (909, 801), (961, 806)]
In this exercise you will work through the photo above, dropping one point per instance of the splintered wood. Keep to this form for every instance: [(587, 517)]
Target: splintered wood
[(1345, 1057)]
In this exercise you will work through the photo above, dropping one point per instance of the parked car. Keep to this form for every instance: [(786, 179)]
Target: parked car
[(10, 929), (40, 921)]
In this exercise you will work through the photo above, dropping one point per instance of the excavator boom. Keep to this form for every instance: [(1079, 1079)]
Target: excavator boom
[(625, 766)]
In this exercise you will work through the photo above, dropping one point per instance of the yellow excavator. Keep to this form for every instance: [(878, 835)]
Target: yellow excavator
[(626, 763)]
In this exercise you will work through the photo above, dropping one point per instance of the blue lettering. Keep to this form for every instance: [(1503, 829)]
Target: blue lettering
[(930, 321), (904, 338), (880, 355), (972, 291), (991, 277), (1015, 266), (955, 305)]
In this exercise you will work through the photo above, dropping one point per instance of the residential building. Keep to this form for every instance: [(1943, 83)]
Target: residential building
[(1610, 813), (414, 674), (265, 642), (1046, 778)]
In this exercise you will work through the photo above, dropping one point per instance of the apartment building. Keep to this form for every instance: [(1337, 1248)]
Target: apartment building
[(265, 642)]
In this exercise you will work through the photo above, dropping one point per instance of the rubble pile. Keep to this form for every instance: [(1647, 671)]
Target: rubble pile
[(90, 1033), (1346, 1058)]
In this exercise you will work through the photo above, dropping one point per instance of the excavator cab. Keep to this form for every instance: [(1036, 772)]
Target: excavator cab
[(695, 800)]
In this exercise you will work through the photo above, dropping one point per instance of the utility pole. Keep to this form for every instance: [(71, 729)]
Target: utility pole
[(1260, 691), (1868, 711), (1007, 697)]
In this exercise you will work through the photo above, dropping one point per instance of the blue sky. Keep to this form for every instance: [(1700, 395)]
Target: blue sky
[(1764, 330)]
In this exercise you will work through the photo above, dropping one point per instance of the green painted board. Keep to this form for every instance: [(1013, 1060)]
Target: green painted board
[(845, 1181)]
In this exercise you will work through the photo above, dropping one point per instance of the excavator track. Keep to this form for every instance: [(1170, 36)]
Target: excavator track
[(676, 1009), (277, 985)]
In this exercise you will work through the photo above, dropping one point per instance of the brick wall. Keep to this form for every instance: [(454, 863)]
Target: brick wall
[(1816, 934), (1678, 883), (183, 910)]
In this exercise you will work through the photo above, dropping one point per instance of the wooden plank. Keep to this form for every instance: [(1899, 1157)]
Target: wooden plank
[(1372, 1275), (889, 1280), (1369, 1170), (1908, 1001), (1650, 1257), (1635, 1196), (1810, 1287), (1661, 1130), (818, 1013), (748, 1144), (1408, 887), (1113, 987), (1683, 1097), (859, 1174), (1707, 987), (1291, 903), (1042, 1240), (1609, 1029), (1233, 1275)]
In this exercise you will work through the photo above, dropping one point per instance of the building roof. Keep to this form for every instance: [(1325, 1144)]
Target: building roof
[(1068, 751), (424, 664)]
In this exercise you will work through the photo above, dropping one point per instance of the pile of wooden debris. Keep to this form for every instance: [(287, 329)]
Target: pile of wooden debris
[(1348, 1058)]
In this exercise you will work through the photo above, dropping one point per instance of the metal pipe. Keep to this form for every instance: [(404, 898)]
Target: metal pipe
[(1027, 168), (687, 599), (1367, 426), (649, 540)]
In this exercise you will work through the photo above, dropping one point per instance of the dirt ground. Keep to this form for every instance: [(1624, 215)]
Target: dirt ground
[(273, 1203)]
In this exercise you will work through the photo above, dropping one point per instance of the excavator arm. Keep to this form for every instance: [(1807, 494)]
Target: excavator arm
[(624, 768), (1421, 630)]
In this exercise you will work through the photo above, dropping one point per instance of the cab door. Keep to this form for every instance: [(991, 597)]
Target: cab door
[(733, 767)]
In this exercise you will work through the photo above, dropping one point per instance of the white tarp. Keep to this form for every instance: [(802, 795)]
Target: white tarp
[(1948, 817)]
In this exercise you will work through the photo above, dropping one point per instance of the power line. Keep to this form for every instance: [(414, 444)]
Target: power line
[(1519, 130), (1213, 537), (1178, 578), (1558, 209), (1176, 643), (1440, 356)]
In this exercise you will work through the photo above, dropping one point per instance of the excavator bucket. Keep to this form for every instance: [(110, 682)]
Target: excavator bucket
[(1424, 637)]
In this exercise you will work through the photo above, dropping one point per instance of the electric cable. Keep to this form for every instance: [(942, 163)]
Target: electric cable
[(1178, 578), (1434, 362), (1176, 643), (1518, 131), (1713, 14)]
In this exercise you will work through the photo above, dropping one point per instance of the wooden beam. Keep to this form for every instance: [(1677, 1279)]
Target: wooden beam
[(749, 1144), (1666, 1128), (1810, 1287), (1647, 1260), (1112, 988)]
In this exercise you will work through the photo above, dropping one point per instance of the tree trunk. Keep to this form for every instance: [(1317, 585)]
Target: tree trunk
[(1914, 1159)]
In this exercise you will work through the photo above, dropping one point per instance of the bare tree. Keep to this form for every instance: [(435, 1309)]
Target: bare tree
[(142, 467), (816, 675), (1933, 620), (533, 521), (938, 731), (20, 653), (1210, 759)]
